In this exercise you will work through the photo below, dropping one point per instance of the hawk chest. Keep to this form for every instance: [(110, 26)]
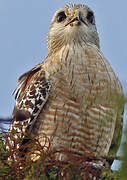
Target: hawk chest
[(78, 115), (84, 79)]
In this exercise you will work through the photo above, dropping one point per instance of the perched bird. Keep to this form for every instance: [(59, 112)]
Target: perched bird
[(72, 99)]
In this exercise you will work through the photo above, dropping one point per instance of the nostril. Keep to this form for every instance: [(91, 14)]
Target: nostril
[(76, 19)]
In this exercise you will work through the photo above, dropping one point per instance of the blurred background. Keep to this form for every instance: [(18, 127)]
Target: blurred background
[(23, 30)]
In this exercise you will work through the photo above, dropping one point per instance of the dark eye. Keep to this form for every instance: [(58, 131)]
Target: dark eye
[(90, 17), (61, 16)]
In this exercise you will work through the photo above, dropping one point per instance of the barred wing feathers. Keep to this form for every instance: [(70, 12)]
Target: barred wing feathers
[(31, 95)]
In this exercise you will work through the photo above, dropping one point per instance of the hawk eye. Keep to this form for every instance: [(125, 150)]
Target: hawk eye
[(61, 16), (90, 17)]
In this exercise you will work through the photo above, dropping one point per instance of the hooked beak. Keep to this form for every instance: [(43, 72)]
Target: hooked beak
[(76, 19)]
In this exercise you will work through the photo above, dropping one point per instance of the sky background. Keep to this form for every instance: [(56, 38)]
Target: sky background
[(23, 29)]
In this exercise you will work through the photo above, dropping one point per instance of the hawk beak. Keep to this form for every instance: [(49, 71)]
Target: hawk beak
[(76, 19)]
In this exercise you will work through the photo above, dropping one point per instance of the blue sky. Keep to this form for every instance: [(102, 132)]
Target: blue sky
[(23, 29)]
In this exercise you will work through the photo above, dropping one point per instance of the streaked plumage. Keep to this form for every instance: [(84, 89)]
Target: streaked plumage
[(73, 96)]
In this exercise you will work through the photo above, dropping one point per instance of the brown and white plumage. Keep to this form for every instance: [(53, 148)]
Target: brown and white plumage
[(73, 96)]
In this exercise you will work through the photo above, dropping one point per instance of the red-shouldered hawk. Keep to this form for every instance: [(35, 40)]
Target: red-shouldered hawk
[(72, 97)]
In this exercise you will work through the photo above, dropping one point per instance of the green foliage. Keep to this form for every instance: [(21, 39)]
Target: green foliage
[(46, 168), (4, 164), (123, 170), (110, 175)]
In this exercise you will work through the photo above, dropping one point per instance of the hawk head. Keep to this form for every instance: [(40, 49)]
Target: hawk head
[(74, 23)]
